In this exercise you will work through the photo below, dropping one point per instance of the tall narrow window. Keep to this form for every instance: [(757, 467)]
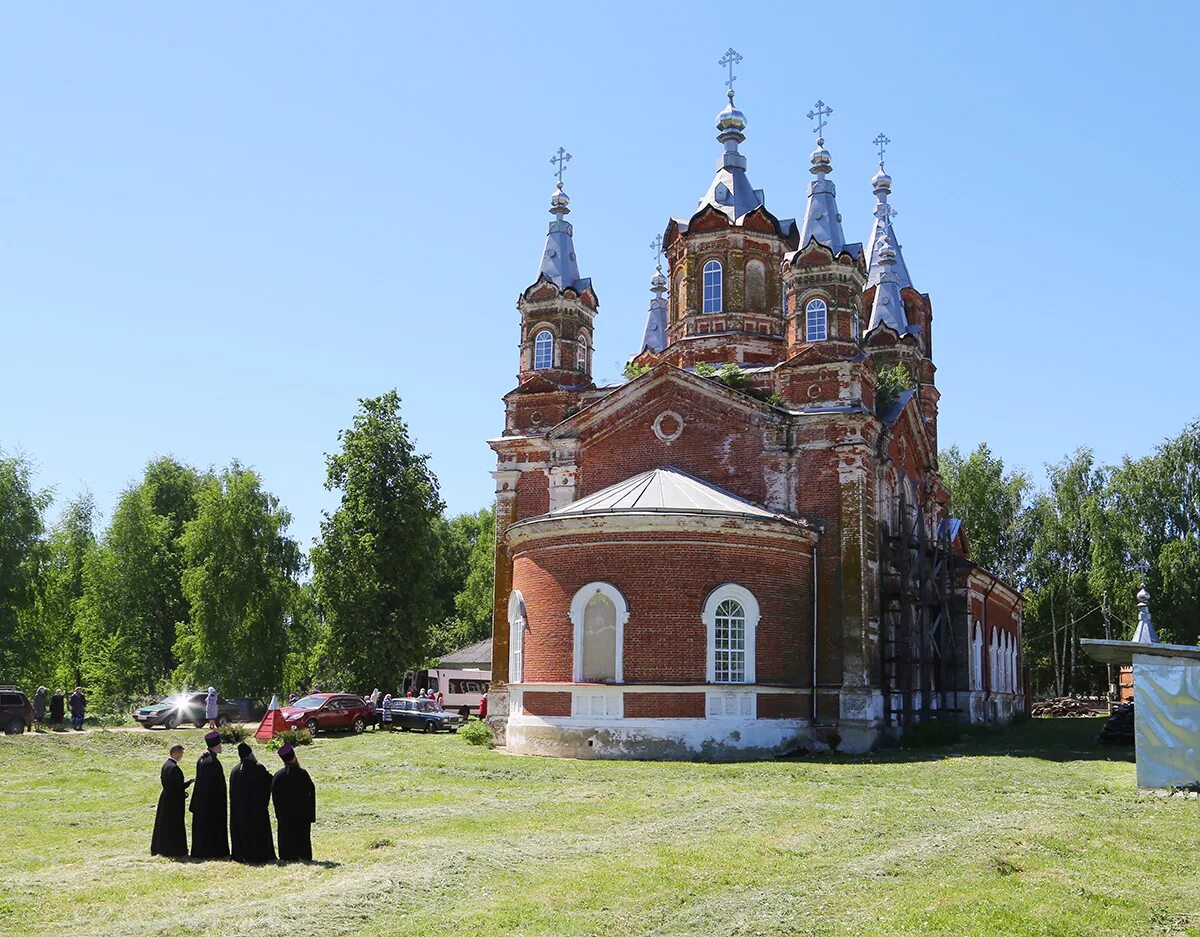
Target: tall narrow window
[(599, 640), (729, 664), (731, 618), (598, 616), (713, 286), (855, 325), (756, 286), (543, 350), (816, 320), (516, 637)]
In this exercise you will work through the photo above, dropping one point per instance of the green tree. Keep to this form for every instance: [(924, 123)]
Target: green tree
[(22, 641), (1063, 604), (133, 598), (375, 568), (71, 541), (239, 580), (471, 573), (992, 504)]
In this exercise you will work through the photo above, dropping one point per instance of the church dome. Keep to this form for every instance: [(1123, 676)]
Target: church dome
[(731, 118)]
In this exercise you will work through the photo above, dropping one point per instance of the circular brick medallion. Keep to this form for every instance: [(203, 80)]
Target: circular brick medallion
[(668, 426)]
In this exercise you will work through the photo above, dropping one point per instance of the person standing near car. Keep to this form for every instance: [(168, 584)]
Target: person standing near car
[(210, 707), (295, 799), (170, 834), (209, 835), (57, 707), (386, 717), (39, 708), (249, 797), (78, 705)]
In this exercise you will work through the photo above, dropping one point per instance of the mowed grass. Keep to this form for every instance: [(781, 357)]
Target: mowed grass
[(1031, 830)]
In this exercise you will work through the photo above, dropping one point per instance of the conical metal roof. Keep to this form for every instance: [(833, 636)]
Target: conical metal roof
[(663, 490)]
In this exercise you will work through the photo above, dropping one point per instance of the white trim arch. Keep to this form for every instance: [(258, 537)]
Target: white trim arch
[(578, 607), (713, 283), (543, 350), (516, 637), (976, 657), (745, 598)]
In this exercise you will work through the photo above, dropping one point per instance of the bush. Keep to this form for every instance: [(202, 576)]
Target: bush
[(633, 369), (232, 733), (476, 732), (294, 736)]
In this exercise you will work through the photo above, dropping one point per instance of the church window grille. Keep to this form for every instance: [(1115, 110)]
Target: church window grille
[(543, 350), (713, 286), (731, 619), (817, 317)]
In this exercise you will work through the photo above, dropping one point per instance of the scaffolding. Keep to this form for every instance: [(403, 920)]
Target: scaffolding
[(920, 650)]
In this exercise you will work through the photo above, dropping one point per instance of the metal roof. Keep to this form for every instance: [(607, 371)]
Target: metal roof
[(478, 653), (663, 490)]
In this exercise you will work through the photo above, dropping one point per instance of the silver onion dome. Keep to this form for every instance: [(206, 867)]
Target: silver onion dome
[(730, 118), (559, 202)]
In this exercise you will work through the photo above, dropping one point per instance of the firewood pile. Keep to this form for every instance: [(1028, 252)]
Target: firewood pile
[(1063, 706), (1118, 730)]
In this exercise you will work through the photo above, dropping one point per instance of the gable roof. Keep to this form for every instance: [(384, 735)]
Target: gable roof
[(663, 490), (478, 653)]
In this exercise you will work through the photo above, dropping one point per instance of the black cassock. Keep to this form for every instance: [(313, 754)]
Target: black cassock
[(170, 837), (249, 822), (295, 800), (208, 810)]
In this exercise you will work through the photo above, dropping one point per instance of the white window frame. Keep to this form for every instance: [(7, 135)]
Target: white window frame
[(812, 309), (976, 657), (714, 287), (516, 637), (749, 603), (578, 606), (547, 347), (856, 325)]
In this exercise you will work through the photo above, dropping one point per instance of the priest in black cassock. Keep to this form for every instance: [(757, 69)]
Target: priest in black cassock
[(209, 840), (170, 836), (249, 797), (295, 800)]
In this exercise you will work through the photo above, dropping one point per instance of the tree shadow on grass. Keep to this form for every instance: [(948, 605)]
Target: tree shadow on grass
[(1050, 739)]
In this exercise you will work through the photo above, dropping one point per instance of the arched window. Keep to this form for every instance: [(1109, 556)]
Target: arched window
[(855, 325), (756, 286), (731, 618), (598, 615), (977, 658), (516, 637), (543, 350), (816, 315), (713, 286), (584, 363)]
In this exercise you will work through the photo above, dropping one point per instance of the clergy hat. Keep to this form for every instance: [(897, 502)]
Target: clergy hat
[(213, 738), (286, 751), (244, 750)]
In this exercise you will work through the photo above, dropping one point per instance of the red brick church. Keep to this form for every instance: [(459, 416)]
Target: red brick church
[(744, 548)]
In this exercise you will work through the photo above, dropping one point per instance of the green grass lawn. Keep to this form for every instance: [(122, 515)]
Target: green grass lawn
[(1027, 831)]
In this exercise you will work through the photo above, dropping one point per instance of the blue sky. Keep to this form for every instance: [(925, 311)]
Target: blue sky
[(221, 225)]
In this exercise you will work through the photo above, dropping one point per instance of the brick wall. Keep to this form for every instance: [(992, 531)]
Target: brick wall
[(784, 706), (546, 703), (664, 705), (666, 583)]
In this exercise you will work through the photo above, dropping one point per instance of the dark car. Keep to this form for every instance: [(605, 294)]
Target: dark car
[(320, 712), (185, 709), (420, 715), (16, 712)]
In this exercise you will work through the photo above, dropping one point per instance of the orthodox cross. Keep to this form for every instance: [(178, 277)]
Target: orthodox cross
[(881, 141), (820, 112), (560, 158), (884, 212), (656, 246), (730, 58)]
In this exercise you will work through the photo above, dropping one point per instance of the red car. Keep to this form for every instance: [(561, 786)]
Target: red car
[(321, 712)]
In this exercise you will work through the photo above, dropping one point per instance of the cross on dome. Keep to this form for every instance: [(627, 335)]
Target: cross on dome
[(561, 158), (820, 111), (656, 247), (730, 58), (881, 141)]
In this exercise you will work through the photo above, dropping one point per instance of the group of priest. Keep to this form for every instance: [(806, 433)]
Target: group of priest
[(252, 788)]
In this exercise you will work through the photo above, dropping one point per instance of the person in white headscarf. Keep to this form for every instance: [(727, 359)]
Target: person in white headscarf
[(210, 707)]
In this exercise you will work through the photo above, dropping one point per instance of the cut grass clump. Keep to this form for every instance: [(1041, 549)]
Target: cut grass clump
[(293, 736)]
